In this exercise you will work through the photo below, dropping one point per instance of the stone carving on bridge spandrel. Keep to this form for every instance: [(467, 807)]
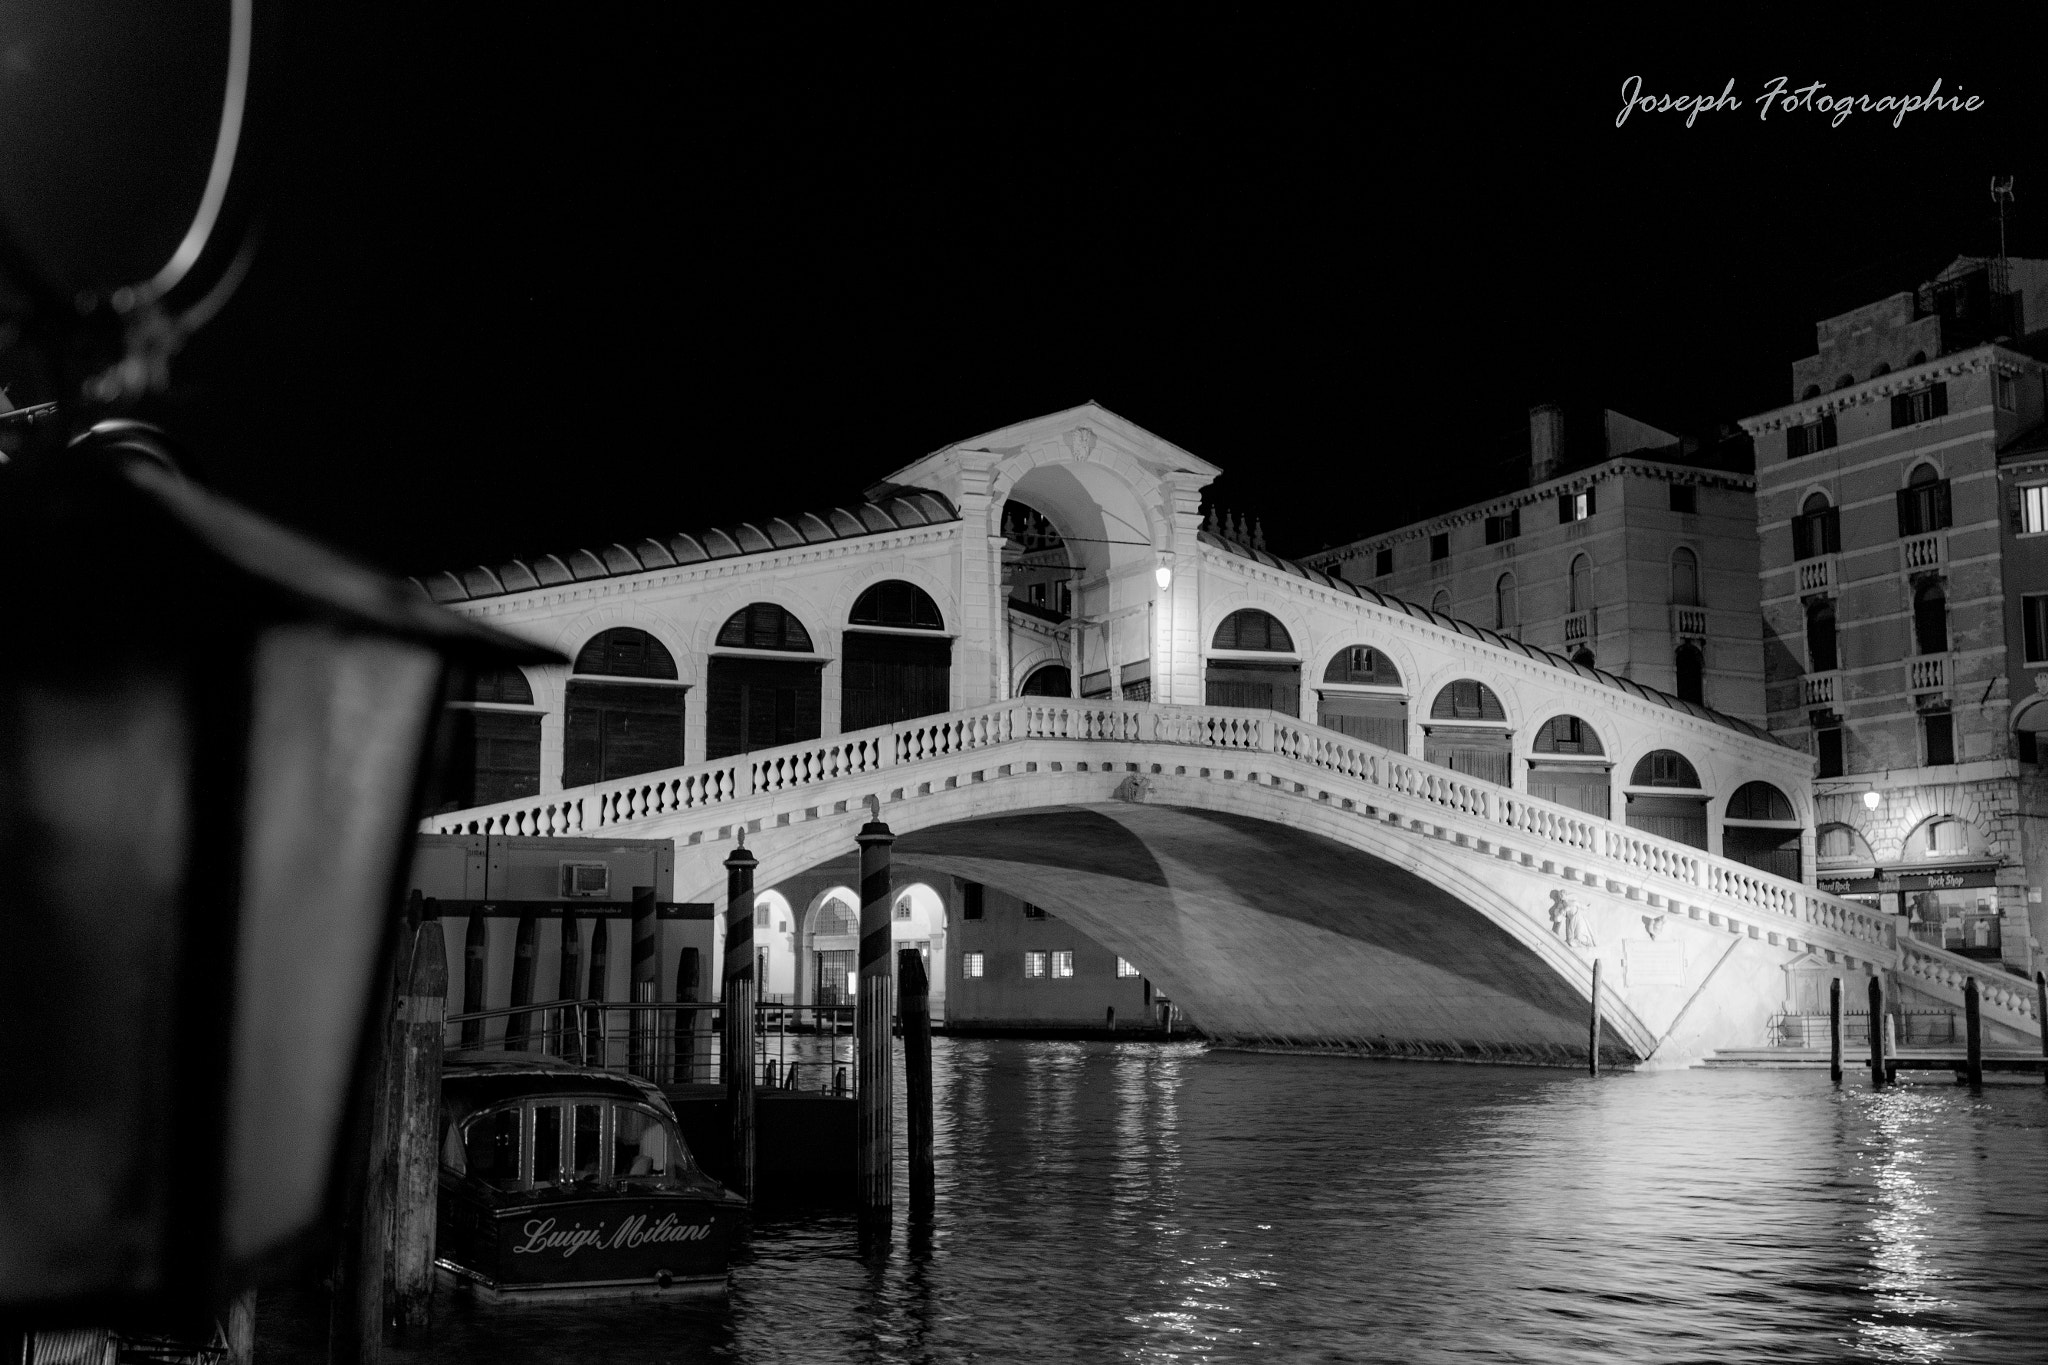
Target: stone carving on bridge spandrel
[(1133, 788), (1568, 920), (1653, 925)]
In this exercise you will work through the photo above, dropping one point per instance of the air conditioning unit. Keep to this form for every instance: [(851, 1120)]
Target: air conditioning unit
[(586, 879)]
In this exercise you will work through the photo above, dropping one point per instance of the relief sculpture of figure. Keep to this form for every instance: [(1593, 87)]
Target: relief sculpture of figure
[(1568, 920)]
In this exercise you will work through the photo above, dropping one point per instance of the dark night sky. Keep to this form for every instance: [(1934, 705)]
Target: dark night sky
[(550, 277)]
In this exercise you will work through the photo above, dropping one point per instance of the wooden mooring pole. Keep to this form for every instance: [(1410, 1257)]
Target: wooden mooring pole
[(914, 995), (1593, 1025), (872, 1088), (1876, 1032), (415, 1114), (1973, 1034), (1835, 1029), (2041, 1015), (736, 1062)]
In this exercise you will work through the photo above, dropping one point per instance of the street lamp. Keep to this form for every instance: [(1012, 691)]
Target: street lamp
[(1871, 800), (1163, 575), (213, 735)]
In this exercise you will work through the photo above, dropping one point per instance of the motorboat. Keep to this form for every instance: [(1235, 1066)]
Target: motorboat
[(565, 1181)]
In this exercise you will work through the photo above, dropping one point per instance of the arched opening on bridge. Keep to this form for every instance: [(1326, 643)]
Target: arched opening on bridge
[(619, 728), (755, 696), (918, 920), (1106, 543), (774, 949), (1361, 696), (1760, 829), (1952, 899), (1037, 570), (1242, 677), (831, 939), (1049, 680), (1468, 733), (893, 667), (1671, 806), (1568, 765), (494, 739)]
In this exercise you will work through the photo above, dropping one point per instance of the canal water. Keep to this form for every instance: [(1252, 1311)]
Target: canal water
[(1160, 1202)]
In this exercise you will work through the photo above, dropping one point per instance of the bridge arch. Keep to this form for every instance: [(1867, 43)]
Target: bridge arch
[(1083, 480)]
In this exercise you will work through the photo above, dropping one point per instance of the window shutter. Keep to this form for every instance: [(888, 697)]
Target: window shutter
[(1827, 432), (1831, 535), (1802, 537), (1902, 410), (1795, 442), (2013, 511), (1938, 401), (1564, 509), (1940, 509), (1909, 513)]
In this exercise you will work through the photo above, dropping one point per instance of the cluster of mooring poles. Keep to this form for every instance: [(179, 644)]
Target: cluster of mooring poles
[(1884, 1044), (873, 1052)]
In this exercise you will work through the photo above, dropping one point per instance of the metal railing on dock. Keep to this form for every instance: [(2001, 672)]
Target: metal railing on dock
[(796, 1047), (1916, 1028)]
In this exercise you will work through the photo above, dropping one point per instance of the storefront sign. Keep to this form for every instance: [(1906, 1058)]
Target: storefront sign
[(1949, 881)]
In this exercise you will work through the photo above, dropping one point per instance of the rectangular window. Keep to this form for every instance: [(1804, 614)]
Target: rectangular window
[(1813, 436), (1574, 506), (2034, 509), (1921, 405), (1440, 545), (2034, 617), (1124, 967), (903, 909), (1063, 964), (760, 917), (1684, 497), (1939, 727), (971, 900), (1383, 563), (1923, 507), (1034, 964), (2002, 389), (1827, 745), (1504, 527), (1032, 911), (971, 964)]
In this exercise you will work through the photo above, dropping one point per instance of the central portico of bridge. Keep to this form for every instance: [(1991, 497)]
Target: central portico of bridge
[(1288, 881)]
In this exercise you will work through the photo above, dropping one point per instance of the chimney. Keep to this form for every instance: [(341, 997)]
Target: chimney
[(1546, 442)]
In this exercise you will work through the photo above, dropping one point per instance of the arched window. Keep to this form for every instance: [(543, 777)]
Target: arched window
[(1815, 502), (764, 625), (898, 605), (836, 917), (1842, 843), (1362, 666), (752, 703), (1466, 699), (1506, 610), (888, 678), (1691, 664), (1923, 502), (493, 751), (1664, 768), (1923, 474), (1882, 367), (1812, 391), (1917, 358), (1567, 735), (1685, 578), (1845, 381), (1441, 603), (1930, 618), (506, 686), (1759, 801), (1820, 635), (1049, 680), (1582, 583), (615, 728), (1583, 657), (1942, 837), (624, 652), (1250, 628), (1817, 528)]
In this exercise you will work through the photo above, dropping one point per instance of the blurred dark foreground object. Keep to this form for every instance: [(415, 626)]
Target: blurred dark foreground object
[(214, 736)]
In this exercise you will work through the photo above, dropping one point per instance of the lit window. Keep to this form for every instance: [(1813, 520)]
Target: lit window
[(1574, 506), (1124, 967), (971, 964), (1062, 964), (1034, 964), (2034, 509)]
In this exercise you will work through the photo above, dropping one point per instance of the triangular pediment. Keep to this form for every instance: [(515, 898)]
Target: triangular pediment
[(1079, 430)]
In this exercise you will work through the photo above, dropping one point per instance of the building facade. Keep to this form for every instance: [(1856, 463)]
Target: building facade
[(1640, 561), (1902, 498)]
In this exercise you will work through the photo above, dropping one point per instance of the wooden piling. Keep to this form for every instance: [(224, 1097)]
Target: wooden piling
[(736, 1060), (1973, 1034), (2041, 1016), (1877, 1021), (238, 1325), (914, 996), (1891, 1051), (1593, 1025), (646, 983), (415, 1114), (525, 948), (1835, 1029), (871, 1078)]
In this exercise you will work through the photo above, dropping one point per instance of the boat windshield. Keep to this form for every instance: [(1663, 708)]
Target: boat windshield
[(645, 1145), (562, 1142)]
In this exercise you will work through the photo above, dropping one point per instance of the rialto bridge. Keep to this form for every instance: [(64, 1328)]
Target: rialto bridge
[(1315, 815)]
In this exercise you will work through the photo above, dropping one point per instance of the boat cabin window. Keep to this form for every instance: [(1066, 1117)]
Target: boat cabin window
[(570, 1140), (640, 1143), (492, 1144)]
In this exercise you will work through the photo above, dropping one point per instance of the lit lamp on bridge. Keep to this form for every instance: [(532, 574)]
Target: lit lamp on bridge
[(212, 741), (1163, 575), (1871, 800)]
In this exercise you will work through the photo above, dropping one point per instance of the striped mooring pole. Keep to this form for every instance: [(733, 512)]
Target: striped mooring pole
[(872, 1082), (736, 1063)]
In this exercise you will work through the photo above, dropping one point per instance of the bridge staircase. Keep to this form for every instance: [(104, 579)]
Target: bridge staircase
[(942, 768)]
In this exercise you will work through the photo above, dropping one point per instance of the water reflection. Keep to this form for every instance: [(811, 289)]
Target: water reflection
[(1155, 1203)]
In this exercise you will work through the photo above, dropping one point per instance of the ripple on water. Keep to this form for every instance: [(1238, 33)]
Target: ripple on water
[(1159, 1203)]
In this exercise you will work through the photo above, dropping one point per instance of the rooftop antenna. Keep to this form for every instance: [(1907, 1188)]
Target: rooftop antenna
[(2001, 195)]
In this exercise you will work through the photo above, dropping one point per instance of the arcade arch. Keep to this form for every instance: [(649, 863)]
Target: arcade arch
[(624, 709), (1568, 765), (1362, 696), (1252, 662), (1468, 732)]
